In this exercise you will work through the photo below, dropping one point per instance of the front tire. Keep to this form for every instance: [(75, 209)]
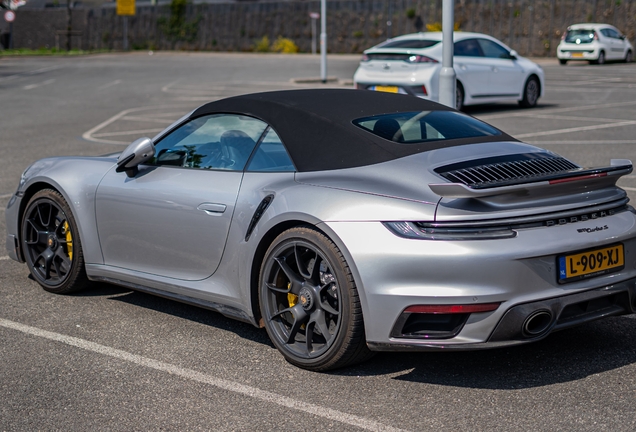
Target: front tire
[(309, 302), (531, 92), (51, 244), (628, 56)]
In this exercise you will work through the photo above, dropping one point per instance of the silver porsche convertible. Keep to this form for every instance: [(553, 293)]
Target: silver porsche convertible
[(344, 222)]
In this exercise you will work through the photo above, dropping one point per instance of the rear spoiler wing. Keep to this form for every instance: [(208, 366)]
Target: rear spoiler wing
[(598, 176)]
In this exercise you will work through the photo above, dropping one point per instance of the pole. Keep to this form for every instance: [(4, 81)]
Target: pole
[(323, 41), (389, 23), (69, 26), (125, 33), (11, 35), (313, 35), (447, 82)]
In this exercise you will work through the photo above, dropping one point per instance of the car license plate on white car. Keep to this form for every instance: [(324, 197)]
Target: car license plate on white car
[(387, 89), (591, 263)]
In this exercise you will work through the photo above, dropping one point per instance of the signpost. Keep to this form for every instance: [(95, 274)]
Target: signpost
[(9, 16), (314, 16), (126, 8), (323, 41)]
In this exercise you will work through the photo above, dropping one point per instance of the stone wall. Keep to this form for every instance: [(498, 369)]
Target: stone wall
[(531, 27)]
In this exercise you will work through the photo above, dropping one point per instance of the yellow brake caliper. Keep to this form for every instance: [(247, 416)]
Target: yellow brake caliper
[(291, 298), (69, 240)]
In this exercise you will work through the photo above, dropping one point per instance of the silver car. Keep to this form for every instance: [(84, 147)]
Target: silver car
[(344, 222)]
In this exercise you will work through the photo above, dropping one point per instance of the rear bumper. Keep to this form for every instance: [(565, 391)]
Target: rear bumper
[(565, 312)]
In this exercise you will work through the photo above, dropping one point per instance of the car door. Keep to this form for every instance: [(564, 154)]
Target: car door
[(619, 45), (472, 68), (507, 77), (172, 218)]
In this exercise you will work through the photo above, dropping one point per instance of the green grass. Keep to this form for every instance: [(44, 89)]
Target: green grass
[(47, 52)]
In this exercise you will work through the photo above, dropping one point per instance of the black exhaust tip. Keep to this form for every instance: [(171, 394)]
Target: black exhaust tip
[(537, 323)]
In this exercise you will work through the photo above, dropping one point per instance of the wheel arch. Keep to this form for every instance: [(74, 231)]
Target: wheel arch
[(31, 190), (268, 238)]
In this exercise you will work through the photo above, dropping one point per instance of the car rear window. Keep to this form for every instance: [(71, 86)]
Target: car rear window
[(423, 126), (580, 36), (409, 43)]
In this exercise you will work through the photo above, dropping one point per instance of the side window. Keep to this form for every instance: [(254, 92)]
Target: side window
[(218, 141), (271, 155), (613, 34), (468, 48), (606, 32), (493, 50)]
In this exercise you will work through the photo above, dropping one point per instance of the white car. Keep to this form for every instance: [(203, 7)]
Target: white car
[(487, 70), (596, 43)]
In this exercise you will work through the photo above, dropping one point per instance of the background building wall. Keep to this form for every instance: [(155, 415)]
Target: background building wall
[(533, 28)]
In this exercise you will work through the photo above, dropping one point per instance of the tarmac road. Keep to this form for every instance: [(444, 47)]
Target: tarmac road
[(113, 359)]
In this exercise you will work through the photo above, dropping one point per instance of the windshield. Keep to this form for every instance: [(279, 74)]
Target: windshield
[(580, 36), (423, 126)]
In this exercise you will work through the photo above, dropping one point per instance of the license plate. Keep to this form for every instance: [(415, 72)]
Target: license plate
[(387, 89), (591, 263), (574, 54)]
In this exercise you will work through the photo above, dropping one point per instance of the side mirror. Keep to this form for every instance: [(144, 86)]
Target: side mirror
[(513, 55), (623, 37), (140, 151)]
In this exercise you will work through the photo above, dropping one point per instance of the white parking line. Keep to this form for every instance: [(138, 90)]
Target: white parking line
[(4, 258), (628, 188), (134, 132), (232, 386), (148, 119), (526, 113), (29, 73), (592, 142), (43, 83), (110, 84), (576, 129), (5, 196)]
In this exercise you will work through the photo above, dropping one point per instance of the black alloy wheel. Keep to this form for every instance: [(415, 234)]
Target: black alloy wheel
[(628, 56), (51, 244), (531, 92), (309, 302)]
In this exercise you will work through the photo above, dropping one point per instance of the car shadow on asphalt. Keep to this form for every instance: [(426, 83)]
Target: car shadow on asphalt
[(181, 310), (564, 356)]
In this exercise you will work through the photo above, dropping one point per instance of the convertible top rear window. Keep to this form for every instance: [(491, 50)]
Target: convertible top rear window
[(423, 126)]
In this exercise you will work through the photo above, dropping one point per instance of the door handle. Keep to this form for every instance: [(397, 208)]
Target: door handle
[(212, 209), (494, 69)]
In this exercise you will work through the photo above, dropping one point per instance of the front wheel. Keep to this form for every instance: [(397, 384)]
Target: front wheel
[(531, 92), (309, 302), (628, 56), (51, 243)]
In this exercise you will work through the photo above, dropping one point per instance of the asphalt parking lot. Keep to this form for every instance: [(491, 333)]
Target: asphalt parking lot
[(113, 359)]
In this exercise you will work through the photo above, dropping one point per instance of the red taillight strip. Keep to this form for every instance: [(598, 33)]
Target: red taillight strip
[(452, 309), (571, 179)]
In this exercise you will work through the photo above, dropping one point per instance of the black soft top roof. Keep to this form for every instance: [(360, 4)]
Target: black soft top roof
[(317, 130)]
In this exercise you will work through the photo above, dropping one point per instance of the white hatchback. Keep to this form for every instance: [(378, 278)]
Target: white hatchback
[(487, 70), (596, 43)]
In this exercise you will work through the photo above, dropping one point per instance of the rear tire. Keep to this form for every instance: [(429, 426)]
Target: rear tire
[(459, 96), (601, 59), (309, 302), (628, 56), (531, 93), (562, 62), (51, 244)]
